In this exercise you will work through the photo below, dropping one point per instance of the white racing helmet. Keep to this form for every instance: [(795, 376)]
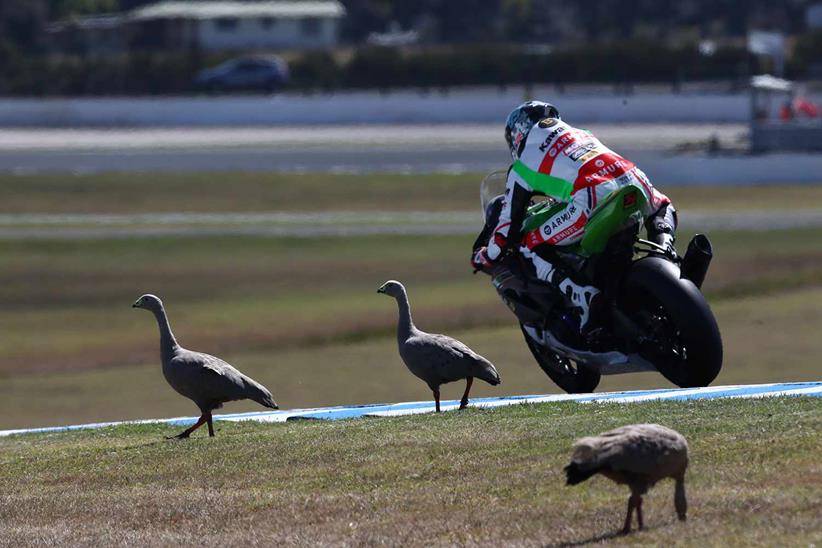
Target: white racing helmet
[(522, 119)]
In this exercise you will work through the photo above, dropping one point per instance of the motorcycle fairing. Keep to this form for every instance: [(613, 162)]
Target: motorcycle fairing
[(621, 207)]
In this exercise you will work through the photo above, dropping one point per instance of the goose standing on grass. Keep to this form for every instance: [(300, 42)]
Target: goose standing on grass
[(436, 359), (638, 455), (207, 381)]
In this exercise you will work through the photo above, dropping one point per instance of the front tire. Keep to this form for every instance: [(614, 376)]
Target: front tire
[(570, 377), (684, 342)]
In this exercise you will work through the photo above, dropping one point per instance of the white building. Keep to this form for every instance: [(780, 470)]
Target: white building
[(231, 25), (212, 26)]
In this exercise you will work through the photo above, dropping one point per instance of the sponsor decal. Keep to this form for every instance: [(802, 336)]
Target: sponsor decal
[(570, 231), (579, 152), (545, 123), (629, 200), (587, 157), (605, 167), (563, 217), (533, 239), (564, 140), (542, 234), (551, 136)]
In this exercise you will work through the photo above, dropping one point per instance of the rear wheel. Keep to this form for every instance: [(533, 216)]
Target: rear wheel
[(683, 339), (564, 372)]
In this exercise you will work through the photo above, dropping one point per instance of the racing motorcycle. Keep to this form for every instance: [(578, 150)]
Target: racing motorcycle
[(654, 316)]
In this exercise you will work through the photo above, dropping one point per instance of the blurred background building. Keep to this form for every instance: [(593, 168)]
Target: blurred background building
[(264, 165), (111, 47), (484, 53), (201, 25)]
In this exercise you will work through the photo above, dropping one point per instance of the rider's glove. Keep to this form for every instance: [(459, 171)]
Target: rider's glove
[(481, 259)]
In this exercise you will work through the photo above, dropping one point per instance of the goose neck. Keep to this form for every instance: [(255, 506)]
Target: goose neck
[(168, 344), (405, 324)]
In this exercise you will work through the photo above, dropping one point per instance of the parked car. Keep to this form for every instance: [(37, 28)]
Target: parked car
[(244, 74)]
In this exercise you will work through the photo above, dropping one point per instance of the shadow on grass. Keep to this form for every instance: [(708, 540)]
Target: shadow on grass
[(597, 538), (140, 445)]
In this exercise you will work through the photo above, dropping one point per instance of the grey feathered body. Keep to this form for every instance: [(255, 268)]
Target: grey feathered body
[(209, 381), (206, 380), (438, 359), (638, 455)]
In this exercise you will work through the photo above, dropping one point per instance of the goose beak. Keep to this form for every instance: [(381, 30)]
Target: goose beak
[(381, 290), (136, 305)]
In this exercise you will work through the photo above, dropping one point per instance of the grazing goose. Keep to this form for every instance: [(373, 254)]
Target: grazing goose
[(207, 381), (638, 455), (436, 359)]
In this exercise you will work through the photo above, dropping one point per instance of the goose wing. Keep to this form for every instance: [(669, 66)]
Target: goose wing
[(447, 359), (208, 380), (637, 450)]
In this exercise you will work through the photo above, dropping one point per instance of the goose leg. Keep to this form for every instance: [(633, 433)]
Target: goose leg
[(437, 399), (210, 426), (187, 432), (464, 400), (680, 502), (639, 511), (627, 527)]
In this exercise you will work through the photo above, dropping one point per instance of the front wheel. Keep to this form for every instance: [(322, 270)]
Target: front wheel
[(568, 376), (682, 337)]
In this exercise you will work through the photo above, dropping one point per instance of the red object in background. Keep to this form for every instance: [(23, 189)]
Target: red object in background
[(806, 107), (786, 112)]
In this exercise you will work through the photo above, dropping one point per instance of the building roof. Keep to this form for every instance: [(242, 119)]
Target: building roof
[(219, 9), (770, 83), (107, 21)]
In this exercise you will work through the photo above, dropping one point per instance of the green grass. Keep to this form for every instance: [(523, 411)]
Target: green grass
[(477, 477), (302, 315), (369, 370), (140, 193)]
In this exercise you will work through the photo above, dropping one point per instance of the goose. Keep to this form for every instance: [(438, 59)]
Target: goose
[(204, 379), (436, 359), (638, 455)]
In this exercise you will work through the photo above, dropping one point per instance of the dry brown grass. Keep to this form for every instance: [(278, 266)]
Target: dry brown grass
[(474, 478)]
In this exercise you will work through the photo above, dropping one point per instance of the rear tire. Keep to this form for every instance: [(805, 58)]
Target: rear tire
[(687, 346), (566, 374)]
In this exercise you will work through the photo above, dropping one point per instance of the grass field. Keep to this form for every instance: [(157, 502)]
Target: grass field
[(487, 477), (302, 315), (141, 193)]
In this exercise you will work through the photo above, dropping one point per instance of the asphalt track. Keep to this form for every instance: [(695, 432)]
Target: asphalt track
[(670, 153), (414, 408)]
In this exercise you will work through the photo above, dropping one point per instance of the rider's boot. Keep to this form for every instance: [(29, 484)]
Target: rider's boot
[(585, 299), (569, 328), (661, 228)]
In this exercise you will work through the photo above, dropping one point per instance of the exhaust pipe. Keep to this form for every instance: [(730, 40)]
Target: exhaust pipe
[(697, 260)]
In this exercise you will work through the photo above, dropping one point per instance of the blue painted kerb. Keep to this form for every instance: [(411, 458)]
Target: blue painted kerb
[(350, 412)]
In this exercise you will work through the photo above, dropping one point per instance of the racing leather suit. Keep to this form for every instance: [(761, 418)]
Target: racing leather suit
[(572, 166)]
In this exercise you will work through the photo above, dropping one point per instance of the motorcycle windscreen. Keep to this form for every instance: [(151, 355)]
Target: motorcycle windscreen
[(492, 186)]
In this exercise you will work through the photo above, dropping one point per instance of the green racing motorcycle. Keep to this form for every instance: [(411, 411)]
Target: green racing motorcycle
[(655, 317)]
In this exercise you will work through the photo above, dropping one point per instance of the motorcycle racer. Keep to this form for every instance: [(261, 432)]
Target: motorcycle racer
[(570, 165)]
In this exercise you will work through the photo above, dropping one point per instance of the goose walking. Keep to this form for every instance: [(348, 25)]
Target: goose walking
[(206, 380), (638, 455), (436, 359)]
